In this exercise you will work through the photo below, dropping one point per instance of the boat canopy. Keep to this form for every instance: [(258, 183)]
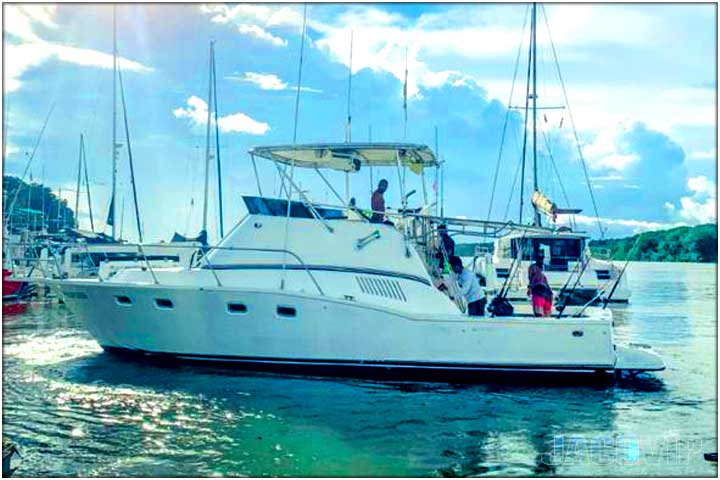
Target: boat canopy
[(350, 157)]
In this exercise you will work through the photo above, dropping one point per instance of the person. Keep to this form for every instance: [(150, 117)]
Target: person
[(469, 286), (539, 289), (446, 247), (377, 203)]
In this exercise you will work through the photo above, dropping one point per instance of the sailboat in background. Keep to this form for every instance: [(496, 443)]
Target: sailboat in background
[(96, 254), (569, 265)]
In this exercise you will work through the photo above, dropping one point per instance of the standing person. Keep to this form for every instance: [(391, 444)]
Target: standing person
[(377, 203), (446, 247), (469, 286), (539, 289)]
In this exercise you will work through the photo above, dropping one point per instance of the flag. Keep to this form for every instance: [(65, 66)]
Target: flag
[(111, 213)]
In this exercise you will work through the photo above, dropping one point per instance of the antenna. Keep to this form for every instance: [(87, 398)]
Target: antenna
[(405, 94), (299, 82), (348, 125)]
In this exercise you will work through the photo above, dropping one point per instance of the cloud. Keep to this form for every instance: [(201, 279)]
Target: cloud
[(32, 51), (636, 225), (269, 81), (261, 34), (701, 205), (703, 155), (196, 112), (603, 154), (256, 20), (266, 81)]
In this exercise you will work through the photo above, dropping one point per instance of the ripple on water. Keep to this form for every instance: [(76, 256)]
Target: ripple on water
[(77, 411)]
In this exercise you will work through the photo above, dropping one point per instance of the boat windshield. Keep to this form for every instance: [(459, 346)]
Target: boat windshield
[(558, 251), (277, 207)]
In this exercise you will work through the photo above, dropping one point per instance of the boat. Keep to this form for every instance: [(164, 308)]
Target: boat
[(568, 264), (568, 260), (302, 286)]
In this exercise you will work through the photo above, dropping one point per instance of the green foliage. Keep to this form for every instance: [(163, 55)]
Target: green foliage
[(30, 210), (681, 244)]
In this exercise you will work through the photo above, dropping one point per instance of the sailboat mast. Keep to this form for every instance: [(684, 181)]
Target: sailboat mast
[(77, 186), (114, 125), (217, 141), (87, 188), (534, 104), (207, 143)]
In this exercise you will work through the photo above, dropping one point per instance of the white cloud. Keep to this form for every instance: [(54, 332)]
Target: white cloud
[(636, 225), (603, 153), (702, 155), (241, 123), (269, 81), (33, 51), (266, 81), (700, 206), (255, 20), (261, 34), (196, 112)]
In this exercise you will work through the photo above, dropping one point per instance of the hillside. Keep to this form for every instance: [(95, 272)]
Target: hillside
[(34, 203), (681, 244)]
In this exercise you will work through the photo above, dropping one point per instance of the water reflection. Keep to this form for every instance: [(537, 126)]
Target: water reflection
[(78, 411)]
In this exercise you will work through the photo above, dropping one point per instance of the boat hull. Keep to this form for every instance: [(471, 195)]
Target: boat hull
[(293, 331)]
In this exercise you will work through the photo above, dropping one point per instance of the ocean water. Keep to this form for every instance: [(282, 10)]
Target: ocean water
[(76, 411)]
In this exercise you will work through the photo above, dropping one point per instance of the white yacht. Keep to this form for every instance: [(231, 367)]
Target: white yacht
[(568, 265), (296, 285), (568, 261)]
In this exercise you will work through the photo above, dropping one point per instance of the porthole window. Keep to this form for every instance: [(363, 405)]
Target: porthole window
[(285, 311), (123, 300), (164, 303), (236, 308)]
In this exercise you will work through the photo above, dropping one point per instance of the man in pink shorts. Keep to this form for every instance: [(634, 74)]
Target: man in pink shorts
[(539, 289)]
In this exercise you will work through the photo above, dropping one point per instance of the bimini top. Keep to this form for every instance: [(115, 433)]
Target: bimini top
[(350, 157)]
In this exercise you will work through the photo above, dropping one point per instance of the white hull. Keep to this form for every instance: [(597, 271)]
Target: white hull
[(335, 332)]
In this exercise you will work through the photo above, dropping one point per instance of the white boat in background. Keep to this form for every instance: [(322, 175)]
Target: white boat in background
[(301, 286), (568, 260), (568, 264)]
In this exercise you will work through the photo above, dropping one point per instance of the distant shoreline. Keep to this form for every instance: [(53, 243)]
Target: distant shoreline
[(696, 244)]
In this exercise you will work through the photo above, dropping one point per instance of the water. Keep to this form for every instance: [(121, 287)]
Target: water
[(77, 411)]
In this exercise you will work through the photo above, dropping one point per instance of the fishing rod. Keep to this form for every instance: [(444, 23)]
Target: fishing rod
[(606, 300), (511, 275), (622, 272), (575, 285)]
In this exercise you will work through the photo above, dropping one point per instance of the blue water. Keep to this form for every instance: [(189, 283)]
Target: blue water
[(75, 410)]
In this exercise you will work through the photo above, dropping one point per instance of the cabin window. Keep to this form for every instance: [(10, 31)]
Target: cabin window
[(235, 308), (164, 303), (123, 300), (285, 311)]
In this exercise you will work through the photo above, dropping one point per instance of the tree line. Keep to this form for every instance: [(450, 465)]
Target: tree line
[(35, 207)]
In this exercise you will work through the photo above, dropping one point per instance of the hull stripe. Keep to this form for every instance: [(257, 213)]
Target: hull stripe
[(317, 268), (391, 364)]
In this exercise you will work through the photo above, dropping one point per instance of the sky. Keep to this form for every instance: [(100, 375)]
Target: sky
[(640, 82)]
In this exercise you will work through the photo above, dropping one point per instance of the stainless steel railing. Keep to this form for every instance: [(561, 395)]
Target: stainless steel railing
[(54, 254)]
